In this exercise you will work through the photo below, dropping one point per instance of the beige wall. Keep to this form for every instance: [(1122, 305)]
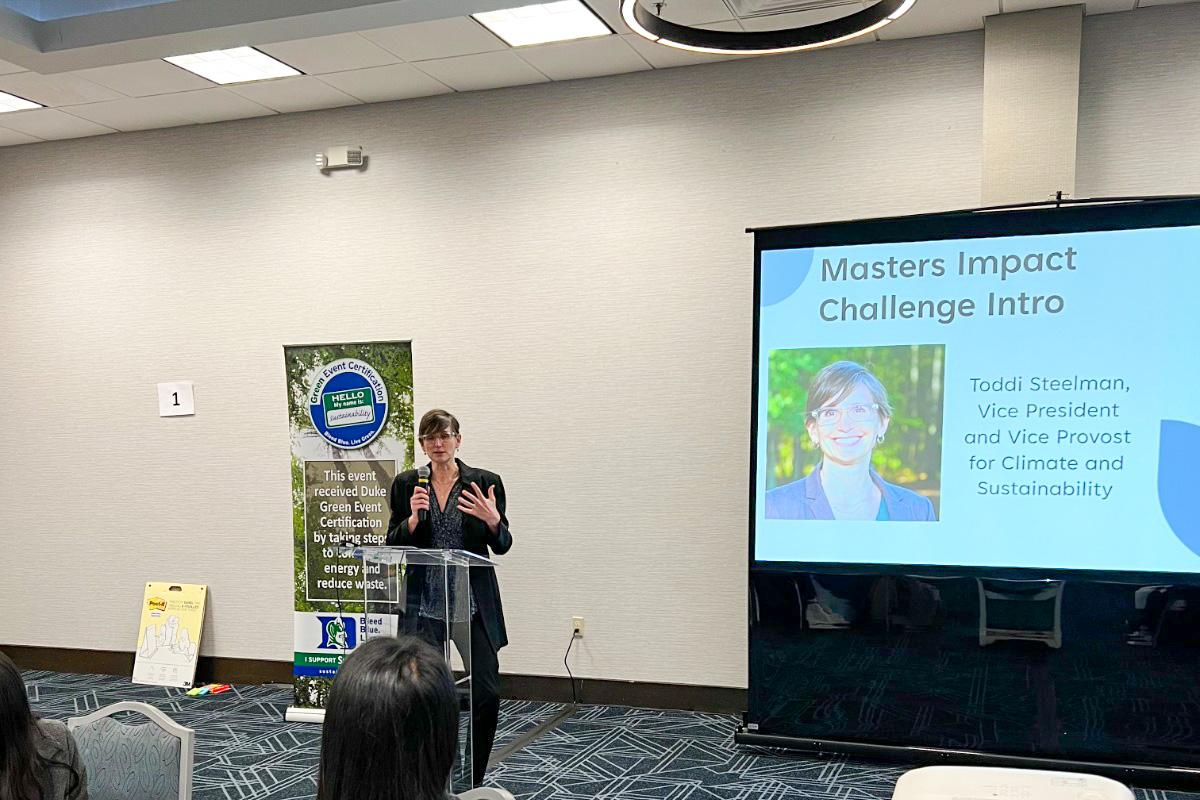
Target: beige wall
[(1031, 104), (570, 263), (1139, 111)]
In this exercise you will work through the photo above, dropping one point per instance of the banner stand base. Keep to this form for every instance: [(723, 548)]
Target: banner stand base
[(298, 714)]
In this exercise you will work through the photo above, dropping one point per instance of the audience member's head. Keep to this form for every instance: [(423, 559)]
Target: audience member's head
[(391, 724), (36, 763)]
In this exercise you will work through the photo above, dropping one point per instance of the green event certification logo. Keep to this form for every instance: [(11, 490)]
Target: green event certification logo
[(348, 403)]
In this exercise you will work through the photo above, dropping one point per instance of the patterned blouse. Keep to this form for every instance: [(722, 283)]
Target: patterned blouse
[(447, 528)]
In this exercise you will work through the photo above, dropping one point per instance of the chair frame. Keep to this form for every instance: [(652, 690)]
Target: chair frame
[(1053, 591), (185, 735)]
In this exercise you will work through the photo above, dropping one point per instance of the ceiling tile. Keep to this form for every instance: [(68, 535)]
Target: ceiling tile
[(10, 137), (338, 53), (380, 84), (482, 71), (661, 56), (610, 12), (585, 58), (144, 78), (935, 17), (798, 18), (440, 38), (304, 93), (131, 114), (6, 68), (211, 105), (685, 12), (55, 90), (696, 12), (50, 123)]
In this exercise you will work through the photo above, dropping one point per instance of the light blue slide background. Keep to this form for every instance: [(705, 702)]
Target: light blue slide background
[(1132, 310)]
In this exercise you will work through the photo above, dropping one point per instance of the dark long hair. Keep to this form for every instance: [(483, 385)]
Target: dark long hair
[(391, 724), (22, 771)]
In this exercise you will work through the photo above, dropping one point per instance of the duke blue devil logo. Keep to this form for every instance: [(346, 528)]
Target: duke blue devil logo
[(337, 633)]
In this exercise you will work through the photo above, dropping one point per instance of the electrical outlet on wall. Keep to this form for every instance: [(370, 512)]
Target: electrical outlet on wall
[(577, 626)]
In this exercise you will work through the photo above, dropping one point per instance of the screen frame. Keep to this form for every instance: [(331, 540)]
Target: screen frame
[(1059, 218), (1076, 217)]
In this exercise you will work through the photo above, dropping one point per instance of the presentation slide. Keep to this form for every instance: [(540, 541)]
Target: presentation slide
[(1019, 401)]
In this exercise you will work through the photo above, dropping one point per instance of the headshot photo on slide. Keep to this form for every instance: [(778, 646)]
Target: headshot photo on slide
[(855, 434)]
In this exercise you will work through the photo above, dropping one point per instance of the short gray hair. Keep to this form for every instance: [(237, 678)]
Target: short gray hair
[(437, 421), (837, 380)]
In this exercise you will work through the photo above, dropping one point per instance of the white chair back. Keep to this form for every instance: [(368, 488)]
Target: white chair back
[(928, 783), (487, 793)]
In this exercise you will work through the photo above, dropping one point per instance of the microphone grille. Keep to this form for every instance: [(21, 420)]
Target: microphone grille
[(423, 471)]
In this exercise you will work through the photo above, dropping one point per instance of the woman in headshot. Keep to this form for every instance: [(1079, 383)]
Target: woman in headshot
[(38, 757), (847, 415), (464, 510), (391, 724)]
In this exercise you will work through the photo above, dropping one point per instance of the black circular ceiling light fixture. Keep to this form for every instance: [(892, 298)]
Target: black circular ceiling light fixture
[(652, 26)]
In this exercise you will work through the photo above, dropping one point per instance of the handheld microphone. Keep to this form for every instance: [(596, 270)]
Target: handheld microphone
[(423, 481)]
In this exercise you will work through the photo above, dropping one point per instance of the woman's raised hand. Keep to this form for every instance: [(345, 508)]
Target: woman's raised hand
[(479, 505)]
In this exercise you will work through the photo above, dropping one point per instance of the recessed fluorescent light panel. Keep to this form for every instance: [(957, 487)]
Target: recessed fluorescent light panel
[(10, 102), (544, 22), (236, 65)]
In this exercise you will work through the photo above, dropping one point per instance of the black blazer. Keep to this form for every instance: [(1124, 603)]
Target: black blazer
[(476, 538)]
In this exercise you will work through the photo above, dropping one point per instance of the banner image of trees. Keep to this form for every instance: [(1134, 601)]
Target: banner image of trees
[(393, 362), (911, 453)]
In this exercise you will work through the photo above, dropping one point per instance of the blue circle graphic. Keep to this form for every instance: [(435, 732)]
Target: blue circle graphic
[(782, 273), (348, 404)]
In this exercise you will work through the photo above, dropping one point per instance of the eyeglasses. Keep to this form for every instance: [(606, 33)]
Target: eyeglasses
[(831, 415), (444, 438)]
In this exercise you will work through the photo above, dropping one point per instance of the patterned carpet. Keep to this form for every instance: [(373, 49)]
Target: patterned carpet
[(245, 751)]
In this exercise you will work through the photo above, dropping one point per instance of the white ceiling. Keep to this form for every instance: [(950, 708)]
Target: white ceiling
[(399, 62)]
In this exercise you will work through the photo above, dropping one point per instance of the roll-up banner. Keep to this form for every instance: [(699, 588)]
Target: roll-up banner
[(350, 414)]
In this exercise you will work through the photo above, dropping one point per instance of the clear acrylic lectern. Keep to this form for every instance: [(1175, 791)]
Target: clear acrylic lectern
[(427, 593)]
